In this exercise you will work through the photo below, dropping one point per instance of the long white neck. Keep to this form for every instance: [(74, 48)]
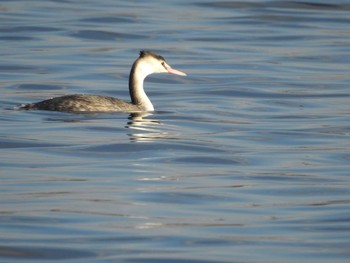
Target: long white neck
[(138, 73)]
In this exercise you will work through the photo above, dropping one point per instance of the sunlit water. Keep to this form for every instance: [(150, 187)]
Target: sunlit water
[(247, 159)]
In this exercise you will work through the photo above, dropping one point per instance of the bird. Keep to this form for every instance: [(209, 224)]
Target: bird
[(147, 63)]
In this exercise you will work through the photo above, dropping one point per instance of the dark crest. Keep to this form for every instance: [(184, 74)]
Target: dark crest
[(144, 53)]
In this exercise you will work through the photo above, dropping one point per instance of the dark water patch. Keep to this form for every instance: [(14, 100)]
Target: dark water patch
[(179, 198), (17, 68), (275, 95), (231, 5), (38, 87), (290, 177), (329, 222), (302, 19), (307, 191), (59, 229), (294, 5), (39, 220), (43, 253), (283, 37), (334, 203), (205, 160), (173, 260), (217, 39), (104, 129), (104, 35), (21, 29), (308, 5), (16, 38), (109, 19), (7, 143)]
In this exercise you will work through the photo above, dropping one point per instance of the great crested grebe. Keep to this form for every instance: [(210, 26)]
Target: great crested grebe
[(147, 63)]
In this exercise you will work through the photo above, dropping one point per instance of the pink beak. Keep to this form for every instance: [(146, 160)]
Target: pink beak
[(174, 71)]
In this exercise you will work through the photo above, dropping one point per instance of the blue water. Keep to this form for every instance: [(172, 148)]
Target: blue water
[(246, 159)]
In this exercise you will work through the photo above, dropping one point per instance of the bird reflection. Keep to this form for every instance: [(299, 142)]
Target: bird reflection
[(144, 129)]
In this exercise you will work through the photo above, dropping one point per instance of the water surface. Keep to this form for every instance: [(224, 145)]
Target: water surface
[(245, 160)]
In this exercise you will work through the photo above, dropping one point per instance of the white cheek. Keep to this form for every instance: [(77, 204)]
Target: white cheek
[(146, 70), (159, 69)]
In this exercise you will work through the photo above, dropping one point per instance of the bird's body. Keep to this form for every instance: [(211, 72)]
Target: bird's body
[(81, 102), (146, 64)]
